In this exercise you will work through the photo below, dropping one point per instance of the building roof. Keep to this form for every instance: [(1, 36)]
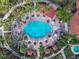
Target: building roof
[(77, 4), (74, 23), (51, 13)]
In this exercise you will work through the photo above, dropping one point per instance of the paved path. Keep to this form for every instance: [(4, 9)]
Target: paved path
[(12, 9)]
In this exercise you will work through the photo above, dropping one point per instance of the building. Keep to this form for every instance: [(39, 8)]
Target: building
[(74, 23)]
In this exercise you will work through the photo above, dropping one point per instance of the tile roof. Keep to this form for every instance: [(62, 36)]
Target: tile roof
[(74, 23)]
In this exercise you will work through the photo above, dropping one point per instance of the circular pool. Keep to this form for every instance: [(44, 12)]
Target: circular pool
[(37, 29), (75, 49)]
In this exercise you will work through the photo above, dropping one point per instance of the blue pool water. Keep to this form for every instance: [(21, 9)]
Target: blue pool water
[(37, 29), (76, 48)]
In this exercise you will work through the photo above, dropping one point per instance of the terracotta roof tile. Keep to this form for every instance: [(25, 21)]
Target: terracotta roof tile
[(77, 4), (74, 24)]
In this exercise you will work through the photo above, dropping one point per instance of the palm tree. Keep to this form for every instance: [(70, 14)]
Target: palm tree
[(41, 49), (63, 14), (68, 39)]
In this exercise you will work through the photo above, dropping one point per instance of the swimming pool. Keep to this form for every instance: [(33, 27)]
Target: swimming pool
[(75, 49), (37, 29)]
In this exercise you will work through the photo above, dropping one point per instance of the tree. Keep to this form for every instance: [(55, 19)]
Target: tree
[(4, 2), (41, 48), (63, 15), (59, 2), (68, 39)]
